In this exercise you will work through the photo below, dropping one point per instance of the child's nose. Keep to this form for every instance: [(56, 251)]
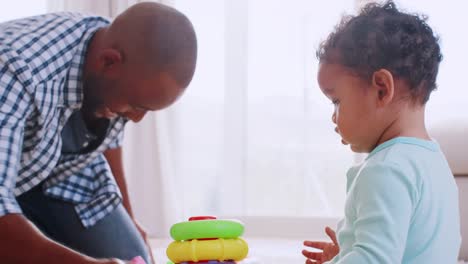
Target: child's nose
[(334, 118)]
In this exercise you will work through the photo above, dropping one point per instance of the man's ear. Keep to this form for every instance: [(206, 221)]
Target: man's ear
[(109, 61), (384, 86)]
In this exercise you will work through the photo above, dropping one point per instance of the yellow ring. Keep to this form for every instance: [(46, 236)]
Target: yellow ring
[(218, 249)]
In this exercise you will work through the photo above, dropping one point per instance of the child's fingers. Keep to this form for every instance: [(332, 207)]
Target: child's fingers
[(312, 255), (331, 234), (316, 244)]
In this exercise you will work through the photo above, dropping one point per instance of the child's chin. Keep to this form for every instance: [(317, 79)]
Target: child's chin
[(357, 149), (354, 148)]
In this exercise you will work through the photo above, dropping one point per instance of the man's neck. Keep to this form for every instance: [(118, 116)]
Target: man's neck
[(90, 68), (95, 125), (92, 52)]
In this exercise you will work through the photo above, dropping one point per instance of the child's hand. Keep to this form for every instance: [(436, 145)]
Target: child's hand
[(329, 250)]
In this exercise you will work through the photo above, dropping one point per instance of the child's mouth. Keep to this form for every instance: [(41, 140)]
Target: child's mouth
[(342, 140)]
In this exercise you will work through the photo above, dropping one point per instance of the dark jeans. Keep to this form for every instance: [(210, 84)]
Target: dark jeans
[(115, 236)]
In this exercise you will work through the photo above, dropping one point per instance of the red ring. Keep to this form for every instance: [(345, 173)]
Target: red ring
[(204, 217)]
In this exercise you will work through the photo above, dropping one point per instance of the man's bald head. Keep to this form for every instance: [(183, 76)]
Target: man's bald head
[(158, 36), (142, 62)]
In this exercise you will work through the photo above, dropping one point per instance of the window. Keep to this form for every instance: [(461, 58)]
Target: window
[(254, 132)]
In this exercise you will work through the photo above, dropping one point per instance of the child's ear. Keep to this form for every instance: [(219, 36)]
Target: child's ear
[(382, 81), (109, 60)]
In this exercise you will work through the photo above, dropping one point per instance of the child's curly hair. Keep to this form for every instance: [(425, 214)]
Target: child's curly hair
[(382, 37)]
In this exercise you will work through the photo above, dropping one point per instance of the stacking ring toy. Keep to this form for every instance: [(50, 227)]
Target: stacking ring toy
[(203, 229), (207, 262), (218, 249), (205, 217), (210, 262)]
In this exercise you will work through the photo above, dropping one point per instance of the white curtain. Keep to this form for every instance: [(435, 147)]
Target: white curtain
[(150, 171), (253, 132), (107, 8), (147, 145)]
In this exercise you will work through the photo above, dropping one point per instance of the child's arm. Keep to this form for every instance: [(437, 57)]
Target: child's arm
[(328, 250), (383, 200)]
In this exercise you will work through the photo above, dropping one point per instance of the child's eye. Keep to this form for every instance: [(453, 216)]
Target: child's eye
[(335, 101)]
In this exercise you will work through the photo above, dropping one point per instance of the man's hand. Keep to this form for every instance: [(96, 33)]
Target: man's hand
[(145, 238), (329, 250), (18, 235), (136, 260), (114, 261), (114, 158)]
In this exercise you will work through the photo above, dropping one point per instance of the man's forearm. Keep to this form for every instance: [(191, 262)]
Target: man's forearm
[(114, 158), (21, 242)]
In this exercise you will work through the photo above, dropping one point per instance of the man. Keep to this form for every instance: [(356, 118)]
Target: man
[(68, 84)]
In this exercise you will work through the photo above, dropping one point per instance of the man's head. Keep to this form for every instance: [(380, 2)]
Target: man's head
[(142, 62)]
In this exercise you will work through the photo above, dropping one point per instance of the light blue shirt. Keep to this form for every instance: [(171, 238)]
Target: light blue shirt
[(401, 207)]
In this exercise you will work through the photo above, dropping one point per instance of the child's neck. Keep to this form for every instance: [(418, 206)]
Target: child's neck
[(408, 122)]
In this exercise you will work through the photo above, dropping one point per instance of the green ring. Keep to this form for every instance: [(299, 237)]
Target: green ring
[(207, 229)]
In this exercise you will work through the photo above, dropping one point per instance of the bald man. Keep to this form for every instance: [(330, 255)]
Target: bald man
[(68, 85)]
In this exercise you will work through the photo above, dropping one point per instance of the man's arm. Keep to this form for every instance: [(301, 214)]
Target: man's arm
[(114, 158), (22, 242)]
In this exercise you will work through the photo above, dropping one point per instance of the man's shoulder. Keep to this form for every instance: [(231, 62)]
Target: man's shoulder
[(51, 26), (44, 45), (39, 51), (78, 17), (52, 17), (43, 31)]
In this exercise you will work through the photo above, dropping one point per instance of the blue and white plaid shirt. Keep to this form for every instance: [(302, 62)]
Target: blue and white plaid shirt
[(41, 60)]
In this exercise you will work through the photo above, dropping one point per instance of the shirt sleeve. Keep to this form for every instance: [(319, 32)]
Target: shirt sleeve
[(14, 104), (383, 199)]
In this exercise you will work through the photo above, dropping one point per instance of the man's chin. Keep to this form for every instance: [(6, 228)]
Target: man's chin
[(105, 115)]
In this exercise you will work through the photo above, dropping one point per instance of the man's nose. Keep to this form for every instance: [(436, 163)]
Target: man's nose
[(334, 118)]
